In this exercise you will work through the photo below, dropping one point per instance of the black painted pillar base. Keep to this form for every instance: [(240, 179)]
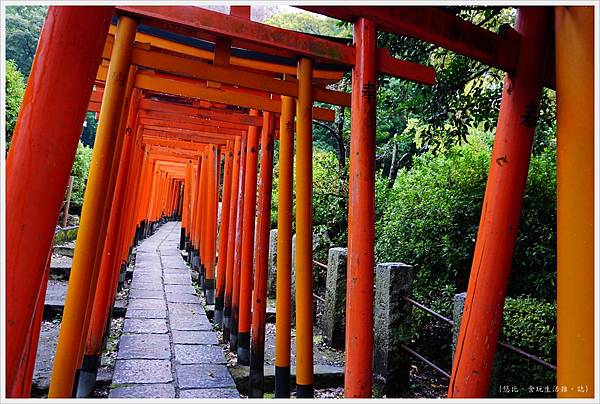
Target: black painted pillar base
[(182, 239), (226, 323), (256, 386), (305, 391), (86, 380), (282, 382), (243, 349), (219, 303), (233, 336), (209, 291)]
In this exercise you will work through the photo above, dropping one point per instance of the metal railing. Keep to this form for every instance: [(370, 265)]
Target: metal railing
[(504, 345)]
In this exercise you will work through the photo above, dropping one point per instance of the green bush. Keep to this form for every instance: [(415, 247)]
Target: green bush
[(528, 324), (15, 88), (80, 171), (431, 217)]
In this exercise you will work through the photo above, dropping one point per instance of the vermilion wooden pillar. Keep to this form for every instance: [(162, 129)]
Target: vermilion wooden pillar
[(284, 249), (45, 142), (236, 195), (110, 260), (259, 295), (224, 235), (247, 263), (304, 236), (237, 259), (211, 223), (498, 228), (83, 277), (361, 215)]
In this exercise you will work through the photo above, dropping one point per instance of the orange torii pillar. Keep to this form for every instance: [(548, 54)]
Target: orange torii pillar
[(284, 249), (482, 316), (105, 251), (223, 235), (237, 260), (304, 236), (361, 215), (234, 215), (247, 263), (184, 206), (574, 28), (83, 278), (212, 202), (63, 80), (263, 226)]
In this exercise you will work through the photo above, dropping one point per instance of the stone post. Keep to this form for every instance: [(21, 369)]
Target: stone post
[(272, 276), (334, 317), (392, 326), (459, 305)]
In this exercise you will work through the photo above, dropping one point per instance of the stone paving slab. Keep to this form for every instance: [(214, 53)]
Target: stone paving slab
[(190, 354), (180, 289), (146, 304), (185, 308), (145, 325), (210, 393), (194, 337), (204, 376), (144, 346), (142, 371), (190, 323), (144, 391), (161, 313), (147, 285), (177, 279), (145, 294), (166, 328), (182, 298)]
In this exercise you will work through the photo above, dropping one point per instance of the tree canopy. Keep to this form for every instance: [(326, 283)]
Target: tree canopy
[(23, 27)]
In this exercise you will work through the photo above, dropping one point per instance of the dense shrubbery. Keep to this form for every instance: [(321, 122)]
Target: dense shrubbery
[(80, 170), (429, 219), (15, 87), (529, 324), (431, 216)]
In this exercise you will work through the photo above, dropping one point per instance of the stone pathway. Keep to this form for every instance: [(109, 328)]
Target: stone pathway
[(168, 348)]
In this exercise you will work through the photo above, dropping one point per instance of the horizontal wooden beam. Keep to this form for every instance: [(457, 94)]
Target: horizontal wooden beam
[(325, 76), (434, 25), (170, 117), (193, 68), (186, 110), (189, 126), (179, 134), (193, 89), (246, 34)]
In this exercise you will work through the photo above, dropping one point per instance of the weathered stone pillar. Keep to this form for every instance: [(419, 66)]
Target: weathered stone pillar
[(334, 317), (392, 326), (459, 306), (272, 276)]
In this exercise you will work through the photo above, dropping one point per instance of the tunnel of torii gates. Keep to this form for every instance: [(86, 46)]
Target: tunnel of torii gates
[(184, 93)]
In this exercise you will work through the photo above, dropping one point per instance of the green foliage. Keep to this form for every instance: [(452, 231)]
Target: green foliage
[(80, 171), (430, 220), (15, 87), (23, 27), (529, 324), (310, 24)]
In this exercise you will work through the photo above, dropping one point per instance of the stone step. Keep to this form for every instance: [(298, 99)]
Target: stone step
[(54, 302), (325, 376)]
